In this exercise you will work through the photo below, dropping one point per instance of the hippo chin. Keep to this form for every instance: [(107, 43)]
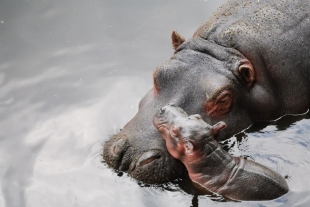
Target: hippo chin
[(250, 61), (191, 140)]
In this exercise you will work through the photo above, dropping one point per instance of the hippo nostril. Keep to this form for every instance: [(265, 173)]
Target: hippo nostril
[(119, 146), (114, 151), (149, 157), (149, 160), (161, 111)]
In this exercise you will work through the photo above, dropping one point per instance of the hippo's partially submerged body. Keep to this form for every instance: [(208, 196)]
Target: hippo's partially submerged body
[(250, 61), (191, 140)]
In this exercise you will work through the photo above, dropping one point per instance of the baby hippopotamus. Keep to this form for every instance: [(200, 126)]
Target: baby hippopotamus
[(191, 140)]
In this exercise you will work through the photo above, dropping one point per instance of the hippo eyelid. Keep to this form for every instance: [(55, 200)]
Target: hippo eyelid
[(207, 95), (218, 93), (220, 103)]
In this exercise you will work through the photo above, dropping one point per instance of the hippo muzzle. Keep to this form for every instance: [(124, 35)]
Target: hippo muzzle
[(168, 114)]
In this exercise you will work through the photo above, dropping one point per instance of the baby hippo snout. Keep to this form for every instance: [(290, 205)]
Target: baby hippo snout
[(168, 114)]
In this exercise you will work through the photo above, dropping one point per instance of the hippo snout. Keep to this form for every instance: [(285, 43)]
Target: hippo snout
[(167, 114), (119, 155)]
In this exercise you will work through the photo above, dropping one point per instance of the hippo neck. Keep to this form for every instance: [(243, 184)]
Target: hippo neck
[(213, 168)]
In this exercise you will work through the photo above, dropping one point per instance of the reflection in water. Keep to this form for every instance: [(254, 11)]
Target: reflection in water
[(195, 201), (16, 176), (72, 73)]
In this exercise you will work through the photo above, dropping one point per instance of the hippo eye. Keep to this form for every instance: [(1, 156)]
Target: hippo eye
[(197, 116), (224, 99), (219, 105)]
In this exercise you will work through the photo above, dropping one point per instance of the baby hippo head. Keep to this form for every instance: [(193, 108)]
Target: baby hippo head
[(184, 134)]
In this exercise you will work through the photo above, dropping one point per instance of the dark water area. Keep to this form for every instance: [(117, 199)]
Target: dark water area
[(72, 74)]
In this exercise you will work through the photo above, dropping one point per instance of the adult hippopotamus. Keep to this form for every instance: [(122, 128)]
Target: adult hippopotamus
[(250, 61), (191, 140)]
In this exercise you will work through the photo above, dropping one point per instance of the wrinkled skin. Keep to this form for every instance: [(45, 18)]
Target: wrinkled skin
[(248, 62), (191, 140)]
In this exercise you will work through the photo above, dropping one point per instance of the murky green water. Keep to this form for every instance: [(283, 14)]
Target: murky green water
[(72, 74)]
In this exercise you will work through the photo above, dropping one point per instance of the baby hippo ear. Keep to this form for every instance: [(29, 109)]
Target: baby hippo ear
[(175, 131), (177, 39), (216, 128), (189, 147)]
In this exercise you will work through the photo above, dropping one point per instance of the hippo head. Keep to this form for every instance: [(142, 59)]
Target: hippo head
[(184, 134), (202, 77)]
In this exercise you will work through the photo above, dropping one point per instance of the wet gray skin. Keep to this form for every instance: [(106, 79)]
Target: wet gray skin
[(248, 62), (191, 140)]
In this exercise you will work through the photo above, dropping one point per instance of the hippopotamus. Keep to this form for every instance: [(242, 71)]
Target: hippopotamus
[(248, 62), (191, 140)]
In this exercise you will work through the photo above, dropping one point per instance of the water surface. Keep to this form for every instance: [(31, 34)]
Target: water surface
[(72, 74)]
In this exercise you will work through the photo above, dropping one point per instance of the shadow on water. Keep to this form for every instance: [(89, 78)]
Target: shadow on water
[(186, 186), (281, 124), (194, 201)]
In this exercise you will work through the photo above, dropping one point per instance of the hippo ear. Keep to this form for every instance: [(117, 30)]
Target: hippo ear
[(247, 72), (175, 131), (216, 128), (189, 147), (177, 39)]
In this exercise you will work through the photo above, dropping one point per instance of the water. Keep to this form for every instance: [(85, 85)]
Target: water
[(72, 74)]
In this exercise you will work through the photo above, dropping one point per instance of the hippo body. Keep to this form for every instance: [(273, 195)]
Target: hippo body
[(250, 61), (191, 140)]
